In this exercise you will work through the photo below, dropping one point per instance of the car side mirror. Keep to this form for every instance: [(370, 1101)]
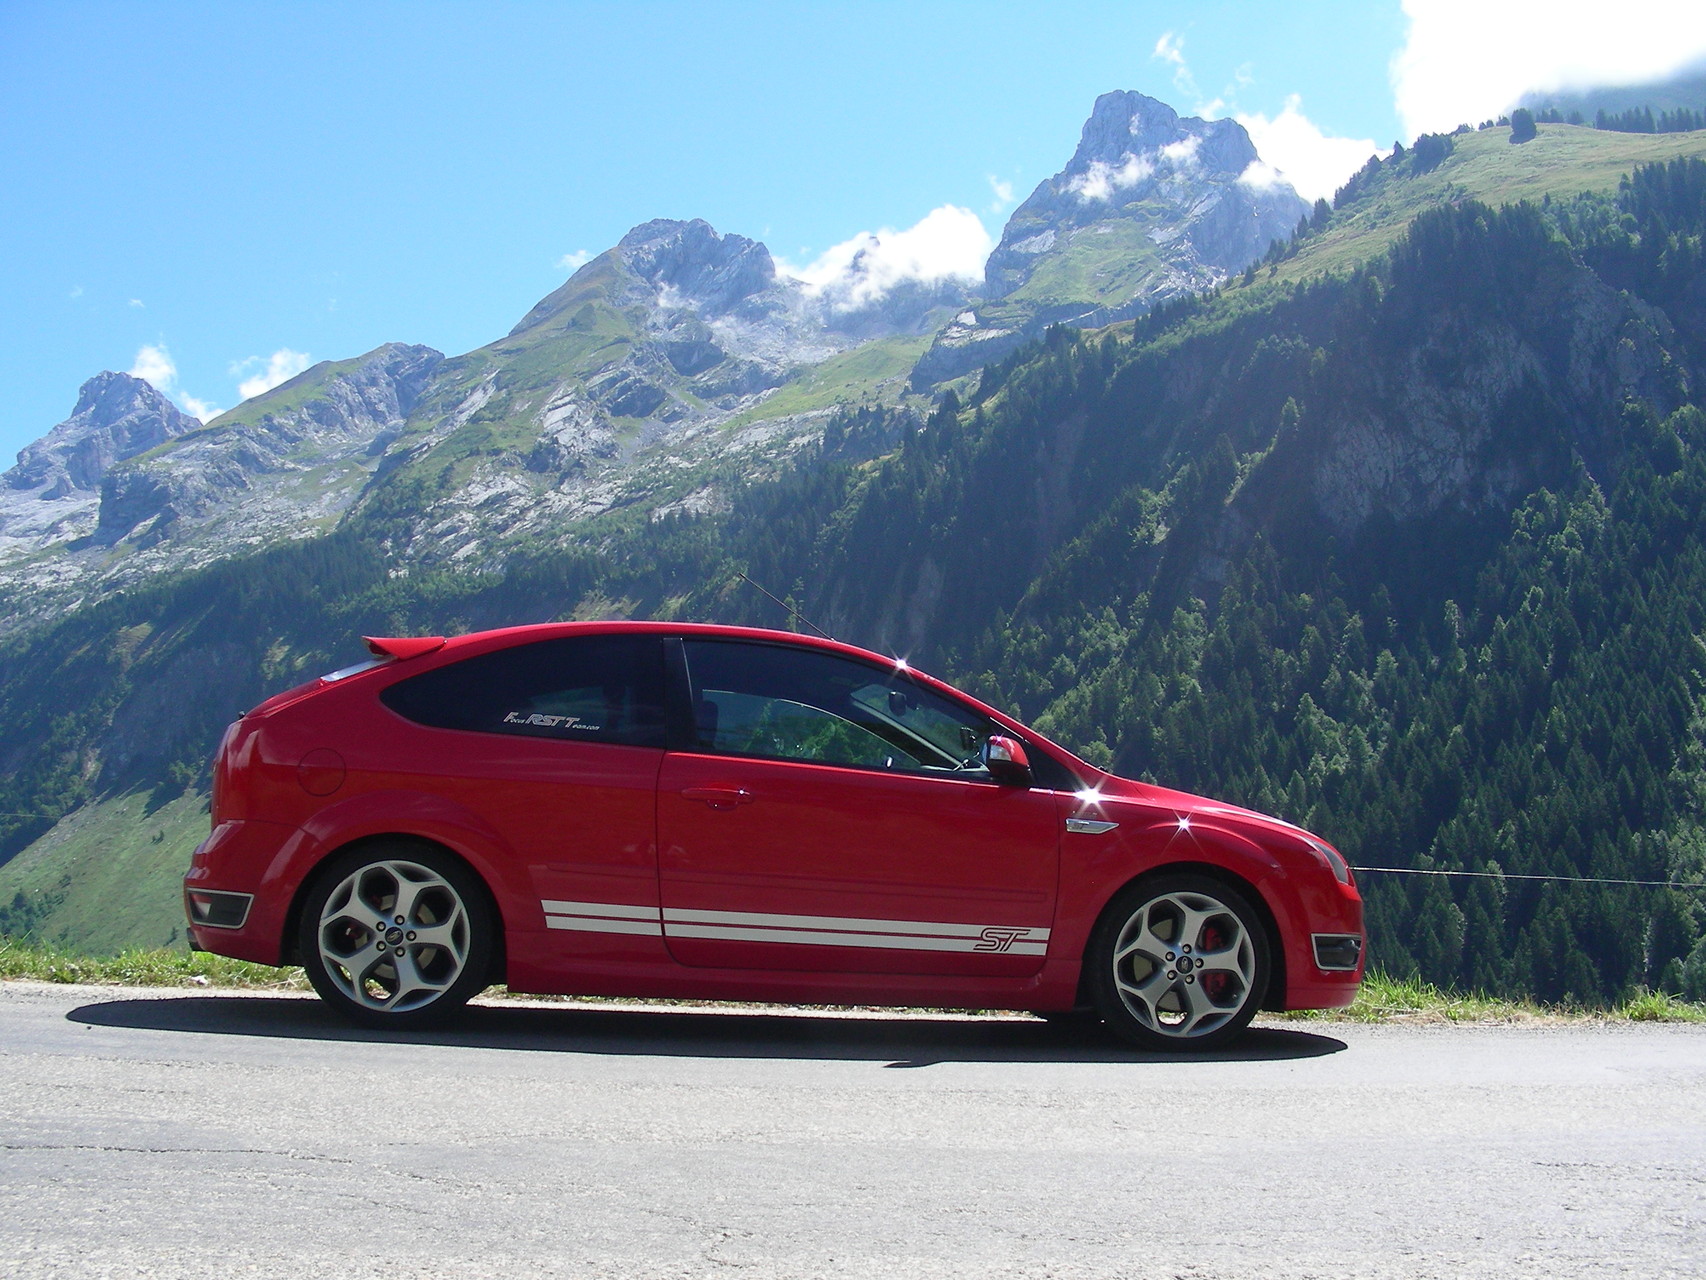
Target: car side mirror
[(1006, 761)]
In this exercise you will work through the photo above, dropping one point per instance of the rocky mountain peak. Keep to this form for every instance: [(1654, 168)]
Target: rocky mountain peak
[(1152, 205), (117, 417), (1197, 185), (1125, 124), (711, 272)]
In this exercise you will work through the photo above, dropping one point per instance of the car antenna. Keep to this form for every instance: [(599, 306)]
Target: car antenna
[(790, 608)]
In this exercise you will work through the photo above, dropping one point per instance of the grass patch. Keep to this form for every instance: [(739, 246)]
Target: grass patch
[(876, 368), (1383, 998), (1563, 161), (139, 967)]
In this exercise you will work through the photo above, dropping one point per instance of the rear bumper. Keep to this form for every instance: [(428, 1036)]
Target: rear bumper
[(226, 911)]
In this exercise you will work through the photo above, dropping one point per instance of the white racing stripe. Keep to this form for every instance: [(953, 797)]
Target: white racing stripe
[(603, 917), (810, 931)]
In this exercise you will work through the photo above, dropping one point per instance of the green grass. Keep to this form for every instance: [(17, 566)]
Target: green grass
[(1383, 998), (1561, 161), (293, 394), (140, 967), (866, 370), (1105, 263)]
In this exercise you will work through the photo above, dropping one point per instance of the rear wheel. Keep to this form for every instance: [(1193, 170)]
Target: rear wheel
[(397, 935), (1179, 962)]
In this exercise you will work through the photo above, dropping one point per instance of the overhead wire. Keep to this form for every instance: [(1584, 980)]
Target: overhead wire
[(1508, 875)]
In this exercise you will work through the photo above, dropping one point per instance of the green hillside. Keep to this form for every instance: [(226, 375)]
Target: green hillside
[(285, 398), (106, 877), (1562, 161), (1412, 552), (875, 371)]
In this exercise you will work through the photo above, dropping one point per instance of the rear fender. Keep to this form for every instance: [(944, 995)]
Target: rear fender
[(410, 814)]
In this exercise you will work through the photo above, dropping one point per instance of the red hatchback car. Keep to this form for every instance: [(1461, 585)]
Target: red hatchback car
[(662, 809)]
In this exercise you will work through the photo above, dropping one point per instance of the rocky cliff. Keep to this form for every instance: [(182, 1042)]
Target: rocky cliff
[(1151, 206), (53, 494), (129, 486)]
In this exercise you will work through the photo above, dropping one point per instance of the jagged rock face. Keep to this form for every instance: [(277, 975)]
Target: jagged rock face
[(711, 273), (1151, 206), (51, 495), (128, 485), (350, 414), (117, 417), (1138, 156)]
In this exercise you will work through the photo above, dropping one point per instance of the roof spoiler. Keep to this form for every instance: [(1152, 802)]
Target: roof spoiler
[(402, 647)]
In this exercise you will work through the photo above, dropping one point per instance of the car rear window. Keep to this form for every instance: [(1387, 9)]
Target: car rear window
[(582, 688)]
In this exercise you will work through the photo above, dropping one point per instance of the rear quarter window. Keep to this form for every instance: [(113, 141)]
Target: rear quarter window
[(583, 688)]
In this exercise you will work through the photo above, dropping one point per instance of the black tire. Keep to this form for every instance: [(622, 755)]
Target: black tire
[(397, 935), (1179, 962)]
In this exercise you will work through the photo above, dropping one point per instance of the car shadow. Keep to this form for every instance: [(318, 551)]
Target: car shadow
[(897, 1041)]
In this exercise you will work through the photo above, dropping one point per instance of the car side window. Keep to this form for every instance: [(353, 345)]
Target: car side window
[(582, 688), (797, 704)]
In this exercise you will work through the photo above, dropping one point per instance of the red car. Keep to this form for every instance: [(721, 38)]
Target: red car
[(663, 809)]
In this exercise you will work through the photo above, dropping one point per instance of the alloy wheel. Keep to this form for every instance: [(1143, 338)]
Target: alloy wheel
[(1184, 965), (393, 936)]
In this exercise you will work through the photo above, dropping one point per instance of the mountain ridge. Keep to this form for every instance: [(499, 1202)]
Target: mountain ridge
[(677, 356)]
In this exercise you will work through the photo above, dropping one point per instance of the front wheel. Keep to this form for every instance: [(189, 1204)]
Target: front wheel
[(1179, 962), (396, 935)]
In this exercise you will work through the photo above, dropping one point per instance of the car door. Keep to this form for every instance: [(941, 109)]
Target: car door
[(832, 815), (556, 745)]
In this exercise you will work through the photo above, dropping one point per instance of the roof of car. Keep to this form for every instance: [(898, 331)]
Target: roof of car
[(502, 637)]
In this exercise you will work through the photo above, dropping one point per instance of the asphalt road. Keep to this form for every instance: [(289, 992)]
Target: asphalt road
[(187, 1134)]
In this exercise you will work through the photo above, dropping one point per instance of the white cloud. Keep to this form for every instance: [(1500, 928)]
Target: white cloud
[(1170, 48), (154, 365), (76, 291), (1101, 179), (1183, 153), (946, 242), (199, 408), (1465, 61), (1003, 194), (137, 303), (281, 366), (572, 262), (1312, 161), (1261, 175)]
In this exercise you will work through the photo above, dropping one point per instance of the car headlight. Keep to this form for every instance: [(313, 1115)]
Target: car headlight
[(1335, 863)]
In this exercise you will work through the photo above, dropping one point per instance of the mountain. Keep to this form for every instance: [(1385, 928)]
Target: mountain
[(678, 351), (1151, 206), (129, 487), (1399, 532), (664, 371), (52, 496)]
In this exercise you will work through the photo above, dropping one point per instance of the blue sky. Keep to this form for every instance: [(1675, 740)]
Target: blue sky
[(215, 194)]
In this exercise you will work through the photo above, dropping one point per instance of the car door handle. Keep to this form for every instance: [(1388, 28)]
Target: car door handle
[(719, 797)]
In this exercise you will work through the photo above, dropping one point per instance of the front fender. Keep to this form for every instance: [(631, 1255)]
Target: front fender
[(1108, 862)]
